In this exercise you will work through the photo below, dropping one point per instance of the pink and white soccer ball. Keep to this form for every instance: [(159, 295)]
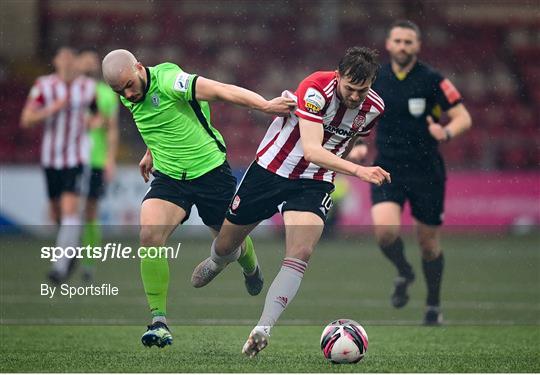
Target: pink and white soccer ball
[(344, 341)]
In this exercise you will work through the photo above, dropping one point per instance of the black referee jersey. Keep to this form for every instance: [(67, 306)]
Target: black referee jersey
[(403, 139)]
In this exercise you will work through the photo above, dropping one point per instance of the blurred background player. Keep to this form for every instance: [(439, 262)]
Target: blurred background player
[(187, 157), (293, 173), (103, 139), (407, 143), (61, 101)]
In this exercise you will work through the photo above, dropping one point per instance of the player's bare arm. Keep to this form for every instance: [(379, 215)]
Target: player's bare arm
[(460, 122), (33, 114), (209, 90), (145, 165), (311, 134)]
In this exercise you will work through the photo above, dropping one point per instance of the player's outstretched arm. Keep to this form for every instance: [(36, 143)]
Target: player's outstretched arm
[(311, 134), (32, 114), (209, 90)]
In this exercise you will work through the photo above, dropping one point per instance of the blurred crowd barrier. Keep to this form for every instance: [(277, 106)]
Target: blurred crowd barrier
[(485, 201)]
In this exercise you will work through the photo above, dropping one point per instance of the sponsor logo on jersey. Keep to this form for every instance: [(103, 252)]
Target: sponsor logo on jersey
[(155, 99), (344, 132), (417, 106), (181, 82), (314, 100)]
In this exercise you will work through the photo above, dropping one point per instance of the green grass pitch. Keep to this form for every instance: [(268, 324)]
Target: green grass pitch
[(491, 303)]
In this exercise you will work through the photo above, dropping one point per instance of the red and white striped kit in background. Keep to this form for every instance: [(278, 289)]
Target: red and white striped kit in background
[(65, 143), (281, 149)]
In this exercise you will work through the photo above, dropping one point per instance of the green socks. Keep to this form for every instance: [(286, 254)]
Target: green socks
[(155, 278), (248, 258), (91, 236)]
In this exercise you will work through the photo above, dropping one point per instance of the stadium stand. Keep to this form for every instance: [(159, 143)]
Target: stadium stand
[(490, 53)]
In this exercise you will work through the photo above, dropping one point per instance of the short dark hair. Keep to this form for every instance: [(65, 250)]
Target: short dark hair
[(406, 24), (359, 64)]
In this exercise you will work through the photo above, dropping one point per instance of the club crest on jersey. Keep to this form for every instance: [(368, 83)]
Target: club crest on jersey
[(417, 106), (155, 99), (359, 121), (235, 203), (314, 100)]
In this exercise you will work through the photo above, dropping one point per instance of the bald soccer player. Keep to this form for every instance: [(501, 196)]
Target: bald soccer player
[(187, 157)]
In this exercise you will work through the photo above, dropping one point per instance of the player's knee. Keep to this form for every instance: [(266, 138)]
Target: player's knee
[(301, 252), (224, 245), (386, 236), (429, 248), (150, 236)]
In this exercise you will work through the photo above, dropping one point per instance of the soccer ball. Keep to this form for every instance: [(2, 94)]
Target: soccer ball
[(344, 341)]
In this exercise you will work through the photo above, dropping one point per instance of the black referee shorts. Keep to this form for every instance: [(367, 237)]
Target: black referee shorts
[(424, 193), (261, 194), (211, 193)]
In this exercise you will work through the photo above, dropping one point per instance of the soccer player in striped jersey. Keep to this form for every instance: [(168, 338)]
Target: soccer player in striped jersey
[(187, 157), (61, 102), (294, 169), (103, 137)]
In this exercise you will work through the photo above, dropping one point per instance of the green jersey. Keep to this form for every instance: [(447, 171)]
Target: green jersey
[(107, 106), (176, 126)]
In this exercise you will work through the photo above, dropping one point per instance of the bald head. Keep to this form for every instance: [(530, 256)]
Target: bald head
[(125, 74), (116, 63)]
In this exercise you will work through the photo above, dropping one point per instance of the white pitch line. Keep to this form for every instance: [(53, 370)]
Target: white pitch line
[(239, 301)]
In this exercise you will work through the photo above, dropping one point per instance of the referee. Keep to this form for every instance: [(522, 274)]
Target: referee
[(407, 142)]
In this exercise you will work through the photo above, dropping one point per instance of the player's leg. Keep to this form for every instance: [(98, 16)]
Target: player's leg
[(158, 220), (303, 231), (91, 235), (53, 183), (432, 266), (213, 193), (54, 210), (305, 211), (253, 277), (70, 224), (427, 206), (257, 199), (386, 215), (225, 249)]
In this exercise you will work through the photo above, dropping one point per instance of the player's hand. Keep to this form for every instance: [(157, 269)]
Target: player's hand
[(58, 105), (96, 122), (436, 130), (358, 153), (145, 166), (280, 106), (374, 175)]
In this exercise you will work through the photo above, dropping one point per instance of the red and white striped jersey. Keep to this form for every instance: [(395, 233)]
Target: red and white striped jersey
[(65, 143), (281, 149)]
